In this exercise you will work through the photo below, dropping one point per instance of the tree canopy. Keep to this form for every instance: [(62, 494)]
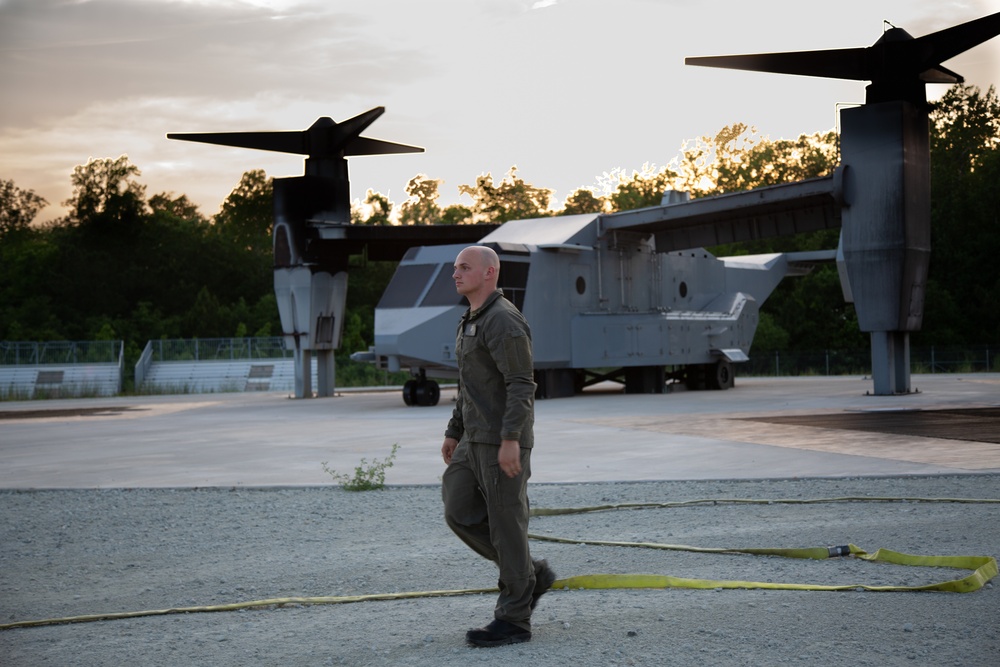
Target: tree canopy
[(106, 193), (511, 199), (247, 215), (964, 283), (422, 207), (18, 207)]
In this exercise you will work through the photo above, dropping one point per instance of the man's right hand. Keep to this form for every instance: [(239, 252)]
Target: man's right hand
[(448, 448)]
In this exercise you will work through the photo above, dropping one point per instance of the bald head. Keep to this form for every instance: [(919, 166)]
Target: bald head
[(486, 255), (476, 271)]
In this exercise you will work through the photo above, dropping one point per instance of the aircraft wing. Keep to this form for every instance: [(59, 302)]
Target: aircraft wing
[(778, 210), (390, 242)]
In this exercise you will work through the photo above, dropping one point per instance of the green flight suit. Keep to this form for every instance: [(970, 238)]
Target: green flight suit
[(485, 508)]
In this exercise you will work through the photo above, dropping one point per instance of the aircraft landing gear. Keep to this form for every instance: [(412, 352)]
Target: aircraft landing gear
[(721, 376), (710, 376), (421, 391)]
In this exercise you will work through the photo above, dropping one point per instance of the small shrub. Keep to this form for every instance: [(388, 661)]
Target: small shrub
[(367, 476)]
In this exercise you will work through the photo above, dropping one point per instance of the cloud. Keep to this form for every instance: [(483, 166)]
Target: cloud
[(101, 78), (72, 55)]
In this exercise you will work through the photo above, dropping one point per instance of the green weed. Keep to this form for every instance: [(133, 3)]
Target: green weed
[(367, 476)]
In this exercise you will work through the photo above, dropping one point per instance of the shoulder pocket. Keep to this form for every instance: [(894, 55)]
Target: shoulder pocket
[(516, 352)]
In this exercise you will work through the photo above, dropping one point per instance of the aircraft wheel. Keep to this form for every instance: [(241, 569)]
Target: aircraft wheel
[(410, 392), (428, 393), (722, 377)]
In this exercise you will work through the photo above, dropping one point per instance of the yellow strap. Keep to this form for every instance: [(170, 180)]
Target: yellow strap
[(561, 511), (252, 604), (984, 568)]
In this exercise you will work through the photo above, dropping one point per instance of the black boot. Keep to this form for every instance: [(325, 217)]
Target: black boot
[(544, 578), (497, 633)]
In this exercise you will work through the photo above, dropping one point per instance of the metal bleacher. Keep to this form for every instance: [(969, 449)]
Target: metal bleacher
[(77, 369), (60, 369), (199, 377), (216, 365)]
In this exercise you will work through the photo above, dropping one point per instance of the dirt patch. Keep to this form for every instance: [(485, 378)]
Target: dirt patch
[(105, 411), (971, 424)]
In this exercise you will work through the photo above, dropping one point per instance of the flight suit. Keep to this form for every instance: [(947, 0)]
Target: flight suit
[(485, 508)]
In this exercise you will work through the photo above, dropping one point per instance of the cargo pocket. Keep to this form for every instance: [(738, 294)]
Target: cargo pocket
[(509, 491), (506, 491)]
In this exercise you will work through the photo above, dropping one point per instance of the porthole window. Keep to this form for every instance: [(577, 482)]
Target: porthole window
[(581, 285), (683, 289)]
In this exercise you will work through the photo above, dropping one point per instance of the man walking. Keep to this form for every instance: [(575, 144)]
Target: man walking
[(487, 446)]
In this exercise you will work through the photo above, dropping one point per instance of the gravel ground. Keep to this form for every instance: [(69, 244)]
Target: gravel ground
[(75, 552)]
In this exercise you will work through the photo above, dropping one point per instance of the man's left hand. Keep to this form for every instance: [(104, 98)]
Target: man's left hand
[(510, 457)]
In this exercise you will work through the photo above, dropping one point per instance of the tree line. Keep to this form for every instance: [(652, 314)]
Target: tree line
[(124, 265)]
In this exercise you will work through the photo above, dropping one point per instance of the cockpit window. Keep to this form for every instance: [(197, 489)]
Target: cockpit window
[(406, 285), (442, 292), (409, 282)]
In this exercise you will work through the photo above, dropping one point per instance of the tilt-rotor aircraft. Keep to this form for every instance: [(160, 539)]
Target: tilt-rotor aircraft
[(632, 296)]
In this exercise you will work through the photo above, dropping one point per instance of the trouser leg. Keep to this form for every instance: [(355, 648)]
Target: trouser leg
[(465, 509), (489, 512)]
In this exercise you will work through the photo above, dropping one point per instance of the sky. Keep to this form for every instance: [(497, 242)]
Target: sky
[(565, 90)]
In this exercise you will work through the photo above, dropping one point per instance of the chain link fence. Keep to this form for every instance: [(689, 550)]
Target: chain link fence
[(59, 352), (923, 360), (218, 349)]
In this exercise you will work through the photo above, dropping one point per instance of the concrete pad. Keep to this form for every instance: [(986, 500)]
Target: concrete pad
[(269, 439)]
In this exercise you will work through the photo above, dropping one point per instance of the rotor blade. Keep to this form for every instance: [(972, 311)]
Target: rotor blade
[(943, 45), (366, 146), (831, 63), (282, 142), (358, 124)]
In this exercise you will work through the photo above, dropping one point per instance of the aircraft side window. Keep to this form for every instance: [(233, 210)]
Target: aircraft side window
[(442, 292), (513, 281), (406, 285)]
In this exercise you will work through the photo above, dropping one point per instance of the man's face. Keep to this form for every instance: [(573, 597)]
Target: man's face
[(470, 272)]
